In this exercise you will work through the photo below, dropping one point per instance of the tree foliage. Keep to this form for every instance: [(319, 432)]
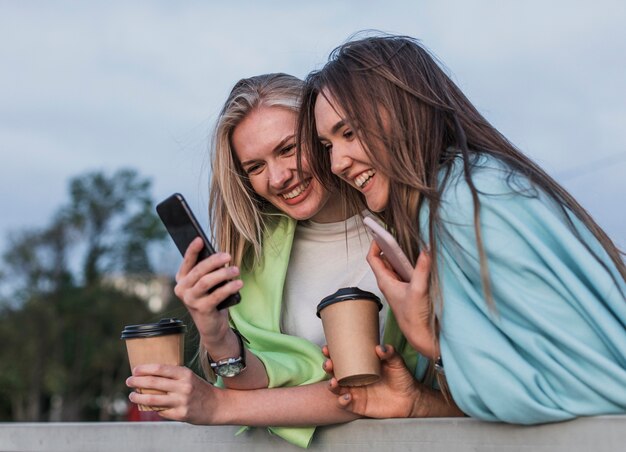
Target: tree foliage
[(61, 357)]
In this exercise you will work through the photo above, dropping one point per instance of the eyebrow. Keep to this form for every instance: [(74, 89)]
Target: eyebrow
[(283, 142), (334, 129)]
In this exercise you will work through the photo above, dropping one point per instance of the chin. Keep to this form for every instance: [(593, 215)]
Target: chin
[(300, 212), (376, 205), (375, 208)]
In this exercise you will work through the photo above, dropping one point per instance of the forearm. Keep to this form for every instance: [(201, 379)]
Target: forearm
[(288, 407)]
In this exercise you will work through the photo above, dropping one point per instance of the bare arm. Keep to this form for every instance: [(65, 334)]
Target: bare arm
[(191, 399), (293, 406)]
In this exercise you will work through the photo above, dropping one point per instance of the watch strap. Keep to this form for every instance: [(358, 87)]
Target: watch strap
[(231, 360)]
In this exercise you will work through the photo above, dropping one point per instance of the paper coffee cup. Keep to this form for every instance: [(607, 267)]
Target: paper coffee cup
[(155, 343), (350, 321)]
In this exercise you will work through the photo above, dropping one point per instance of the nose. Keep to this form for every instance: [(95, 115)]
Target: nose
[(339, 161), (279, 175)]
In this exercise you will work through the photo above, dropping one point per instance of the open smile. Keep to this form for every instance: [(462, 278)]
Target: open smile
[(296, 191), (363, 179)]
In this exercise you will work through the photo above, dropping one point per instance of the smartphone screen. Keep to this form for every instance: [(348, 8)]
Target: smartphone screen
[(183, 227)]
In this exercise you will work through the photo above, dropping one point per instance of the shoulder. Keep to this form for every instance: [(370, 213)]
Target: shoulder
[(502, 197), (493, 180), (519, 224)]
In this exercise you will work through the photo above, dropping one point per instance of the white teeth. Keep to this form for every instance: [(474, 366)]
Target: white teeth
[(362, 179), (296, 191)]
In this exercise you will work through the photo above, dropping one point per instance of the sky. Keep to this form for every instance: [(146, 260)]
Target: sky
[(104, 85)]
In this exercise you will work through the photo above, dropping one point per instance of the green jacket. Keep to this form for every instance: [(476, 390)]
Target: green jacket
[(288, 360)]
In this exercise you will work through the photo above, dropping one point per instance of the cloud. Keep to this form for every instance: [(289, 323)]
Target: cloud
[(108, 84)]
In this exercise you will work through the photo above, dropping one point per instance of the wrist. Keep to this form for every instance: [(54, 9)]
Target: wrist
[(233, 364), (421, 402), (425, 343), (223, 398), (226, 347)]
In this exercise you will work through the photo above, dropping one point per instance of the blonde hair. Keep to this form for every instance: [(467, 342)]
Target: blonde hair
[(239, 216)]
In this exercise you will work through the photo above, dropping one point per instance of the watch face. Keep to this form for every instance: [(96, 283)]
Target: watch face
[(229, 370)]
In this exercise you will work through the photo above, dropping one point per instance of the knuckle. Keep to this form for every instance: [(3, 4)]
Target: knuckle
[(205, 283)]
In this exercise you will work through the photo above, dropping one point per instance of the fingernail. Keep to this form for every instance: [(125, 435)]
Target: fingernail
[(384, 348)]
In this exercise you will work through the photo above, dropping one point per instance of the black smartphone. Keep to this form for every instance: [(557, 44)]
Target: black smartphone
[(183, 227)]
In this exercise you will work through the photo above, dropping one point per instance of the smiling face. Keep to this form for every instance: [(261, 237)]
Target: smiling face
[(264, 142), (348, 157)]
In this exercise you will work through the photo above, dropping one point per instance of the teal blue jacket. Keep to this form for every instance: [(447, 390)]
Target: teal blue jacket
[(553, 345)]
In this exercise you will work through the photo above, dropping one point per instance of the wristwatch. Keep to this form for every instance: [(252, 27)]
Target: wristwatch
[(439, 366), (230, 367)]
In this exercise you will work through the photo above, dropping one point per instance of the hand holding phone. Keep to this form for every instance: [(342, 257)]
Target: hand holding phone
[(183, 227), (391, 250)]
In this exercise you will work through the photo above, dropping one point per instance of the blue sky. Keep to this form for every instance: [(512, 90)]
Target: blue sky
[(104, 85)]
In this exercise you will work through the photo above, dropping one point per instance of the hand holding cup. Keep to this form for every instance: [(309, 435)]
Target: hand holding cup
[(155, 343), (393, 396), (350, 321)]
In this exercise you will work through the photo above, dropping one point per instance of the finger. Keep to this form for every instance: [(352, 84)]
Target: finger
[(190, 258), (390, 356), (374, 253), (152, 400), (385, 351), (344, 400), (333, 386), (210, 301), (206, 266), (328, 366), (150, 382), (210, 280), (421, 273), (160, 370), (375, 260), (380, 267)]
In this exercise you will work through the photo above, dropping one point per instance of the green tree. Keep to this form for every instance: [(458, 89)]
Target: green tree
[(61, 319)]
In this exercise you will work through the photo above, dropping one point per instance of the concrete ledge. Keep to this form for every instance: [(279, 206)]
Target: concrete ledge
[(597, 434)]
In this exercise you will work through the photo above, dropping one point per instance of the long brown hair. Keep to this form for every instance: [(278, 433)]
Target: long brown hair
[(413, 121)]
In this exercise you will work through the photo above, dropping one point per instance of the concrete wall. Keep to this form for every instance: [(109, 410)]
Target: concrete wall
[(598, 434)]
